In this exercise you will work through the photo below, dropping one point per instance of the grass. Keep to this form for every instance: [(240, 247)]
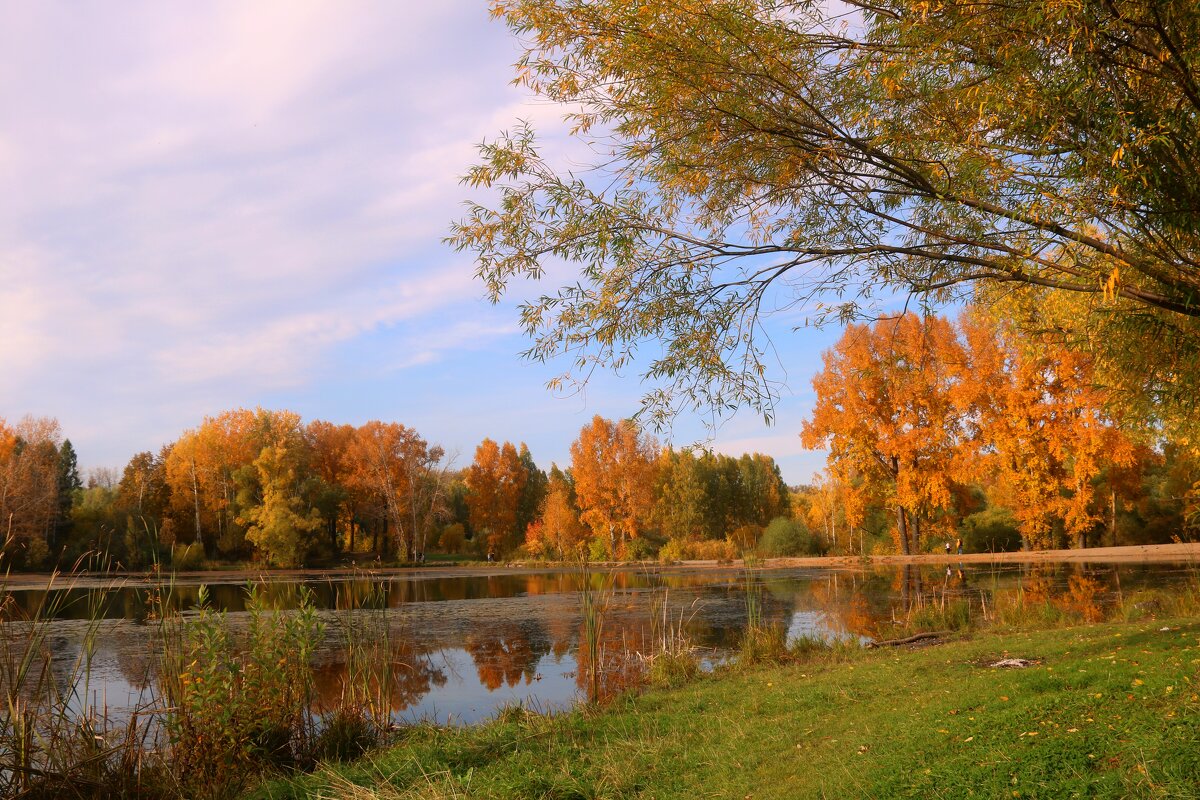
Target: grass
[(1108, 710)]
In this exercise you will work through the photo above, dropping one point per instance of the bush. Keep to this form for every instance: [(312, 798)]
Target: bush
[(185, 557), (788, 537), (453, 538), (993, 530), (238, 707), (703, 550)]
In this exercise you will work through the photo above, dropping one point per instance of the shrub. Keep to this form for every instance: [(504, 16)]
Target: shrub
[(453, 538), (233, 709), (703, 550), (185, 557), (787, 537), (673, 668), (993, 530), (763, 644)]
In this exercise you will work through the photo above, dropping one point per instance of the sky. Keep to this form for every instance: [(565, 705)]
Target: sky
[(237, 204)]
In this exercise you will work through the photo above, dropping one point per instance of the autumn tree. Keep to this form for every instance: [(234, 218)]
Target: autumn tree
[(278, 521), (1043, 428), (886, 412), (613, 464), (557, 531), (754, 155), (390, 463), (495, 482), (29, 480), (329, 447), (533, 493), (200, 471)]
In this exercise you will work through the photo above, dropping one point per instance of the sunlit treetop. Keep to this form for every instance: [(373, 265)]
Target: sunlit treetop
[(755, 155)]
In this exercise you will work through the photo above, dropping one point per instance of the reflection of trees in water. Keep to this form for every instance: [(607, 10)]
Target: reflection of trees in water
[(508, 652), (406, 675)]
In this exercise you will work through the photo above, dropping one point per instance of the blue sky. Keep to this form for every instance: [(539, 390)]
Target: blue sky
[(223, 204)]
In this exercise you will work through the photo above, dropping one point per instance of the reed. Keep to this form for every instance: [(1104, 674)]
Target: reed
[(55, 739), (762, 642)]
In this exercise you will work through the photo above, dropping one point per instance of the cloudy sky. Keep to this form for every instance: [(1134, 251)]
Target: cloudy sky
[(223, 204)]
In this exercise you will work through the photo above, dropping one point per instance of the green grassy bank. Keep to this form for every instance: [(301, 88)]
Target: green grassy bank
[(1108, 711)]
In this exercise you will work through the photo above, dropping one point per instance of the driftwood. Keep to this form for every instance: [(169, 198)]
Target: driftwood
[(910, 639)]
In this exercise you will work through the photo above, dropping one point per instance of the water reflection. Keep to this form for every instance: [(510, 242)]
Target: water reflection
[(463, 645)]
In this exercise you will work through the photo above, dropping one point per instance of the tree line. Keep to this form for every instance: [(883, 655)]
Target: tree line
[(264, 486), (943, 428), (937, 430)]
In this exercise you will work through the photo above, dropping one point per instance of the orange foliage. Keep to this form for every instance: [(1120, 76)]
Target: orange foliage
[(885, 411), (1041, 425), (495, 480), (558, 532), (614, 468), (29, 483)]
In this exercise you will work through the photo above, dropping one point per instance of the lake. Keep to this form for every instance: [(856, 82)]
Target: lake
[(467, 644)]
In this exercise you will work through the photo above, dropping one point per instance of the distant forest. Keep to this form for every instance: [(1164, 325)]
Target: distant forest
[(938, 430)]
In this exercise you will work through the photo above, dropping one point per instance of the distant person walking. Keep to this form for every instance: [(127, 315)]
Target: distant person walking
[(947, 547), (959, 545)]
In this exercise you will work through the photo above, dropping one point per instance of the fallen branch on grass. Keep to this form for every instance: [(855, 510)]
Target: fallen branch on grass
[(918, 637)]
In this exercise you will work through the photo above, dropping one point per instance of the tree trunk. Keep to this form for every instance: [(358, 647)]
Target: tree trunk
[(902, 526), (196, 504), (1112, 520)]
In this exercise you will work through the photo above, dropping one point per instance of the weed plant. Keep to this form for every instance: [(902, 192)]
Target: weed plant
[(234, 709), (672, 659), (761, 642), (360, 717), (54, 740)]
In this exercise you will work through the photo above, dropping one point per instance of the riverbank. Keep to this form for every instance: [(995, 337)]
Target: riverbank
[(1185, 553), (1100, 711), (1179, 552)]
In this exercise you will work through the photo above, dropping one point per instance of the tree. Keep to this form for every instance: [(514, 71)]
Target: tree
[(533, 493), (68, 484), (201, 469), (1043, 429), (329, 446), (495, 481), (558, 530), (390, 461), (886, 411), (278, 523), (756, 154), (682, 503), (29, 472), (613, 465)]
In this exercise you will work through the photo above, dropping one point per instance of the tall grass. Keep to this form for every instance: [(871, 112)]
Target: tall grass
[(762, 642), (55, 740), (594, 603), (234, 708), (230, 696), (671, 658), (360, 716)]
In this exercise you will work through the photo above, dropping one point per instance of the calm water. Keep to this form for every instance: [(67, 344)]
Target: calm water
[(471, 644)]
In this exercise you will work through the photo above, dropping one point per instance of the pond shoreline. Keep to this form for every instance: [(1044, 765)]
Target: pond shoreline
[(1144, 554)]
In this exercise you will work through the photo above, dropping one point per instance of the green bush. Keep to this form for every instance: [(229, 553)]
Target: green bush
[(787, 537), (993, 530), (237, 707), (187, 557)]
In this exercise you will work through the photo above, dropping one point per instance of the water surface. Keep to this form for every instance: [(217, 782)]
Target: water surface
[(466, 645)]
